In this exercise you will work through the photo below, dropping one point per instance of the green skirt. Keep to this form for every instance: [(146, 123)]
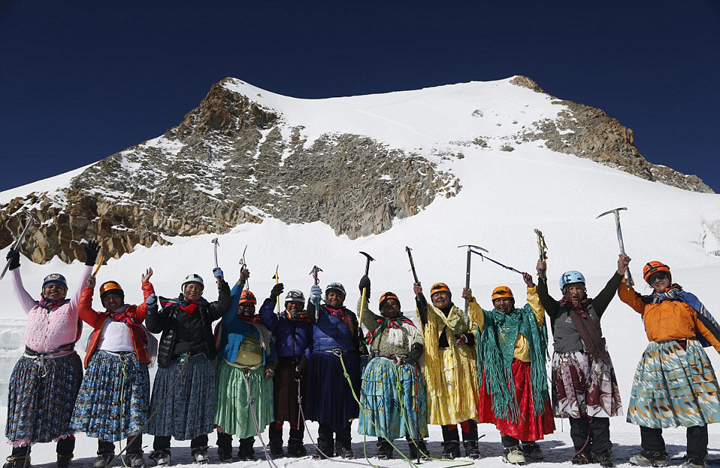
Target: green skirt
[(236, 405)]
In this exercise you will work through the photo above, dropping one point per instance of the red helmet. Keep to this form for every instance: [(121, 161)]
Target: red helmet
[(247, 297), (653, 267)]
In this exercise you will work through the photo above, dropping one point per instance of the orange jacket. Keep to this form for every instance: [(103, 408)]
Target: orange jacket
[(669, 320), (97, 320)]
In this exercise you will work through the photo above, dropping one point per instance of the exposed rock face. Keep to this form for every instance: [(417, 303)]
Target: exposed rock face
[(589, 133), (232, 161), (225, 164)]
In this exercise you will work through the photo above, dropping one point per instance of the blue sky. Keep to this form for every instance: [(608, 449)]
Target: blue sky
[(80, 80)]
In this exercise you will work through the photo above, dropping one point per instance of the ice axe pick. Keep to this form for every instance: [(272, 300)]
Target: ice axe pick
[(628, 277), (470, 248)]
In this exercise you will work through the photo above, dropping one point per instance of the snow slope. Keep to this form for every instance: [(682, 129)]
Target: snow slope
[(504, 196)]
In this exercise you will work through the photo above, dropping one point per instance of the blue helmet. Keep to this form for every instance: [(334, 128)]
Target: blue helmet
[(571, 277)]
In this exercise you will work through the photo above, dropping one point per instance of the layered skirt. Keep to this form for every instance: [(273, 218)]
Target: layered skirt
[(236, 402), (393, 401), (584, 387), (528, 426), (674, 386), (330, 395), (285, 391), (183, 399), (41, 398), (455, 398), (113, 401)]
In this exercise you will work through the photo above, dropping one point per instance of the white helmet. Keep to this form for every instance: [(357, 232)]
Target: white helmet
[(192, 278), (295, 296)]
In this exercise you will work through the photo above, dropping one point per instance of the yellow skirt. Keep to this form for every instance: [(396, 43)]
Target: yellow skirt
[(456, 399)]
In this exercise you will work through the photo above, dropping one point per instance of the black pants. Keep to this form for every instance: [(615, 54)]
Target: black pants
[(198, 443), (697, 440), (591, 434), (510, 441), (450, 433)]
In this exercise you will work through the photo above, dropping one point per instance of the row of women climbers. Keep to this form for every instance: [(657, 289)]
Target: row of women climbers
[(304, 363)]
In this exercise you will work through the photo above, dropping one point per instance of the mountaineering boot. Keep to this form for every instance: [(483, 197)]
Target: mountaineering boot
[(605, 460), (343, 443), (581, 458), (246, 452), (160, 457), (418, 448), (276, 449), (224, 447), (513, 455), (65, 449), (694, 462), (295, 444), (532, 450), (135, 460), (650, 458), (19, 458), (471, 449), (105, 454), (201, 457), (384, 449), (325, 442), (275, 436), (451, 450)]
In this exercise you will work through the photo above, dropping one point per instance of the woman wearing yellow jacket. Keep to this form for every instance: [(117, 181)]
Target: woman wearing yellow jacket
[(674, 384)]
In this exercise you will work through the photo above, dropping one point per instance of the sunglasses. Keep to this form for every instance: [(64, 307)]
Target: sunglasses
[(658, 277)]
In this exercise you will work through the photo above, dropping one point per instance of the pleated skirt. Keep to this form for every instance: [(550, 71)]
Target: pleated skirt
[(285, 391), (584, 387), (674, 387), (330, 396), (41, 398), (183, 399), (114, 396), (393, 401), (239, 407), (455, 400)]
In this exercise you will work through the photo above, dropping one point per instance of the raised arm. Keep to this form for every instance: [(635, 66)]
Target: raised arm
[(550, 305), (92, 249), (85, 310), (421, 303)]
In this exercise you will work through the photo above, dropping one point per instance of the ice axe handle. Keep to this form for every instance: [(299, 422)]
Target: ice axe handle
[(412, 264), (467, 282)]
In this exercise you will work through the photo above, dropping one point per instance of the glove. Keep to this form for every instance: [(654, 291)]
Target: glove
[(302, 367), (416, 351), (276, 291), (218, 273), (91, 252), (316, 293), (151, 300), (13, 256), (365, 283)]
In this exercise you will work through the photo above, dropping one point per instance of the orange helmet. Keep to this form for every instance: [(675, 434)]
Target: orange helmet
[(502, 291), (247, 297), (653, 267), (439, 287), (110, 287), (388, 295)]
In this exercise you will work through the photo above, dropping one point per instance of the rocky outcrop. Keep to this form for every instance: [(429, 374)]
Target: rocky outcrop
[(227, 163), (588, 132)]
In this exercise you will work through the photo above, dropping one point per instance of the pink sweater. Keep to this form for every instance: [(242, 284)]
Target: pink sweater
[(48, 331)]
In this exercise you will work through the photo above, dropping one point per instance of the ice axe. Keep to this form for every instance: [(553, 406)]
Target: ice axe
[(276, 277), (364, 292), (485, 257), (244, 264), (470, 248), (628, 277), (314, 273), (412, 264), (216, 243), (16, 244)]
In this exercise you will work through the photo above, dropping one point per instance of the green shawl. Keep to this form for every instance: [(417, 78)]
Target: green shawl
[(496, 346)]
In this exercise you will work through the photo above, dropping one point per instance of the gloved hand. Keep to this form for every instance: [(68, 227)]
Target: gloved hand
[(276, 291), (218, 273), (151, 300), (416, 351), (316, 293), (302, 367), (13, 256), (365, 283), (91, 252)]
